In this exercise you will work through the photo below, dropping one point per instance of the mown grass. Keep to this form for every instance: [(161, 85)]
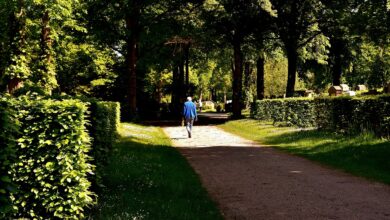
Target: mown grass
[(148, 179), (363, 155)]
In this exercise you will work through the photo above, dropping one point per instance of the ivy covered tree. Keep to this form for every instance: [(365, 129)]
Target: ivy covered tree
[(14, 66)]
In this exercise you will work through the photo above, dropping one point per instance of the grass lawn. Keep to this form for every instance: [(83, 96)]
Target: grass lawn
[(362, 155), (148, 179)]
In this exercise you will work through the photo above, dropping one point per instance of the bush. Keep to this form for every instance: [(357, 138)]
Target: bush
[(220, 107), (105, 120), (9, 129), (356, 115), (334, 113), (340, 114), (292, 112), (385, 116), (53, 163)]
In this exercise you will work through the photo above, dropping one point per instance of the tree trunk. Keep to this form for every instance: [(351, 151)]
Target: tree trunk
[(132, 25), (17, 33), (45, 39), (182, 90), (292, 56), (237, 79), (175, 81), (187, 60), (337, 66), (260, 77), (47, 77), (247, 71), (247, 84)]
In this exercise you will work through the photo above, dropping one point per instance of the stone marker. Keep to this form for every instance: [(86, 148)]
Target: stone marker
[(335, 91), (361, 88), (344, 87)]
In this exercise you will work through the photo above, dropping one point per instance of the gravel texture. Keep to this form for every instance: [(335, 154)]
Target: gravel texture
[(248, 181)]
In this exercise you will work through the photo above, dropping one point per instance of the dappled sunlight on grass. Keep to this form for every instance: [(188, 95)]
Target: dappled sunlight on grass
[(143, 134), (363, 155), (148, 179)]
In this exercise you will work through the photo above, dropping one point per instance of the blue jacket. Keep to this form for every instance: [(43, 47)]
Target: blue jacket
[(189, 110)]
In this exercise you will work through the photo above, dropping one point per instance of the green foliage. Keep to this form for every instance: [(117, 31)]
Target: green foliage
[(371, 65), (291, 112), (148, 179), (340, 114), (9, 130), (103, 128), (275, 74), (85, 69), (354, 115), (52, 164)]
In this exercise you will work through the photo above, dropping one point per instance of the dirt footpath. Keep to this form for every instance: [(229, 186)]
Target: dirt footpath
[(252, 182)]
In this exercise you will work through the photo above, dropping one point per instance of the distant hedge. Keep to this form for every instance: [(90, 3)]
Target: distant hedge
[(354, 115), (291, 112), (341, 114), (46, 156)]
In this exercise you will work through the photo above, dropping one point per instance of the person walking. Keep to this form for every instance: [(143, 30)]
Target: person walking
[(200, 105), (189, 115)]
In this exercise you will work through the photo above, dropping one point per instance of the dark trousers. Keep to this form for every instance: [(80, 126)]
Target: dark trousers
[(189, 124)]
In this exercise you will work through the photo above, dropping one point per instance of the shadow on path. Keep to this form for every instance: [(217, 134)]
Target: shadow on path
[(249, 181), (203, 119), (263, 183)]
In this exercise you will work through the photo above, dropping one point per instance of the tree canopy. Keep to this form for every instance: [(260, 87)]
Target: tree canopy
[(148, 54)]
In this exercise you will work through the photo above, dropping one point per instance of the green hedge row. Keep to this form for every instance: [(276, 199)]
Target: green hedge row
[(341, 114), (48, 158), (9, 128), (354, 115), (105, 120), (291, 112)]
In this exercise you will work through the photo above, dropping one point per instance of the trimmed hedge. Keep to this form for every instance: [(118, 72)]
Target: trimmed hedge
[(52, 164), (46, 164), (292, 111), (105, 120), (9, 129), (341, 114), (354, 115)]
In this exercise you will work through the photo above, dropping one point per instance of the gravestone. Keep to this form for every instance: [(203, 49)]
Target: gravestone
[(344, 87), (361, 88), (335, 91)]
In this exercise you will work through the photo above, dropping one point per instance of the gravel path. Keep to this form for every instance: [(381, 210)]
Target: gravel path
[(252, 182)]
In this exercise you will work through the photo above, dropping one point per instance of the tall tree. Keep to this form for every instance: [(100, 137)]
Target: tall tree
[(297, 24), (232, 20), (14, 66), (126, 25), (336, 24)]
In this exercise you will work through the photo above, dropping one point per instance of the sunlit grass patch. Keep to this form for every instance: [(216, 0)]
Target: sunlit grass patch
[(364, 155), (148, 179)]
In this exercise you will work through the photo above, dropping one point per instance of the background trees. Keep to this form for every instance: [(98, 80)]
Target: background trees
[(162, 51)]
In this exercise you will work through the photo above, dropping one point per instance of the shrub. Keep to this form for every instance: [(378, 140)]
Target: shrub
[(385, 116), (292, 112), (52, 149), (340, 114), (334, 113), (105, 120), (354, 115), (9, 129)]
